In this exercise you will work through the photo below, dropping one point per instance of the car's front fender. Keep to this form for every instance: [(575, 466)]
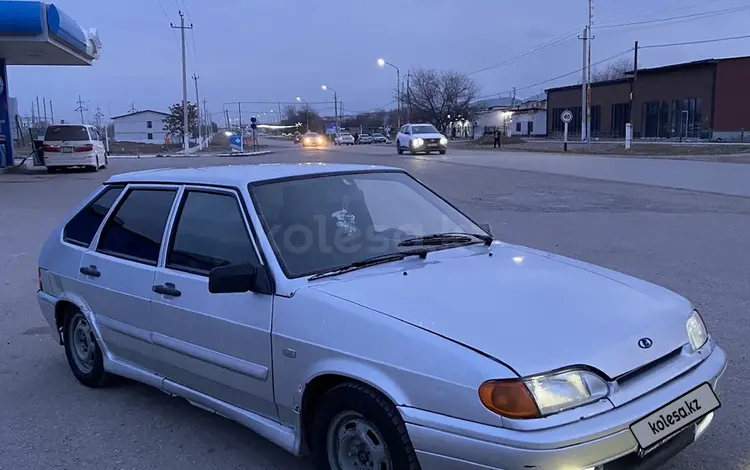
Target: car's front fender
[(317, 334)]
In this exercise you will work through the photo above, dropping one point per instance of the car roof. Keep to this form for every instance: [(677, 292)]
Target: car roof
[(238, 175)]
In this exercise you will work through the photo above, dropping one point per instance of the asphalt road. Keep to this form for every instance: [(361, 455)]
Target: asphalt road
[(694, 243)]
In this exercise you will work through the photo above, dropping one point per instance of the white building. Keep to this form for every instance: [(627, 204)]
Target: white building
[(145, 126), (513, 117)]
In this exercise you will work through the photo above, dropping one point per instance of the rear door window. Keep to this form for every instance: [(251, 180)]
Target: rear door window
[(66, 133), (134, 231), (83, 226)]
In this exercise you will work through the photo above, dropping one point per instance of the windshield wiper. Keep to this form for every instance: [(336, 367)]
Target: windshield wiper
[(375, 260), (447, 238)]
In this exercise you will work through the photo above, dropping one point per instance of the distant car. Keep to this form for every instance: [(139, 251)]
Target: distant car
[(364, 139), (379, 138), (313, 139), (416, 138), (67, 145), (344, 139)]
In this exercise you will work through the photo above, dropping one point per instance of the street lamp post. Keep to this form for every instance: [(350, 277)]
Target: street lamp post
[(383, 63), (307, 113), (335, 105)]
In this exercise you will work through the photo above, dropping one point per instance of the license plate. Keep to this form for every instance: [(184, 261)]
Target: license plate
[(67, 149), (675, 416)]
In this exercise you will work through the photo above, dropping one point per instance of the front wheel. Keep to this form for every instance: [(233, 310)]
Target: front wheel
[(399, 150), (356, 427), (442, 152)]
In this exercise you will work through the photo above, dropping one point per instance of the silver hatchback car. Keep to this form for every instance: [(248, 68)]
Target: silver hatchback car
[(350, 312)]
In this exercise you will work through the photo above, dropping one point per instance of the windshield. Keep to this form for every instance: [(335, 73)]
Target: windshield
[(377, 135), (66, 133), (424, 129), (320, 223)]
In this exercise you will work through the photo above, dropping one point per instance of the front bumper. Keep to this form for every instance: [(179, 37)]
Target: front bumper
[(443, 442)]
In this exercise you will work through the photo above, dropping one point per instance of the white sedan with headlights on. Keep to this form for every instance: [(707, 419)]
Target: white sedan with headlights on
[(416, 138), (351, 312)]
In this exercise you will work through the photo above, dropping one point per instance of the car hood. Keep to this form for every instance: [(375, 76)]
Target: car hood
[(432, 135), (534, 311)]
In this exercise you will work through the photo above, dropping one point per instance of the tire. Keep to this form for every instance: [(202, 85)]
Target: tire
[(442, 152), (106, 161), (51, 169), (79, 340), (352, 404), (399, 150)]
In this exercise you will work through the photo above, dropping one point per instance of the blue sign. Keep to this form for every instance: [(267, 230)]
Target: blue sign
[(235, 141), (331, 128)]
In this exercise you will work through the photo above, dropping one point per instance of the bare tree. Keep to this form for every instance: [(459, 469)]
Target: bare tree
[(434, 95), (612, 71)]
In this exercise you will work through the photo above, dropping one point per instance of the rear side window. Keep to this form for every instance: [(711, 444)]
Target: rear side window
[(83, 226), (65, 133), (210, 232), (135, 229)]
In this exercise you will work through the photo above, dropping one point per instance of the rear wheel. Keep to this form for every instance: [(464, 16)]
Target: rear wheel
[(51, 169), (355, 428), (83, 352)]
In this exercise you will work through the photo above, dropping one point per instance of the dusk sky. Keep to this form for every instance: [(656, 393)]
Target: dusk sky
[(275, 50)]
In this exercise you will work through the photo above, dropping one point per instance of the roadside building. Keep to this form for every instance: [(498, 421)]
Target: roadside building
[(529, 118), (705, 99), (145, 126), (493, 114)]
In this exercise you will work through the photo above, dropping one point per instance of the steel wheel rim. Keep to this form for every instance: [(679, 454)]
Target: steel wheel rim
[(83, 344), (354, 443)]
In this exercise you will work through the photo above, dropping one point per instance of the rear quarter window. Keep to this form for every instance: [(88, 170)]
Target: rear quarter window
[(63, 133), (83, 226)]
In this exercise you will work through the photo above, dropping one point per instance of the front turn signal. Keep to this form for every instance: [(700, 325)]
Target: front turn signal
[(510, 398)]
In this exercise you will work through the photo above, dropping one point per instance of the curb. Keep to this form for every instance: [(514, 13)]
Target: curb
[(245, 154)]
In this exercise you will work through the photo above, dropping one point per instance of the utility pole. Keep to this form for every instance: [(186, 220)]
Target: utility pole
[(588, 68), (206, 119), (33, 116), (98, 116), (513, 101), (226, 115), (38, 110), (239, 111), (278, 103), (185, 123), (629, 128), (44, 102), (81, 108), (51, 112), (584, 84), (198, 106), (408, 97), (132, 108)]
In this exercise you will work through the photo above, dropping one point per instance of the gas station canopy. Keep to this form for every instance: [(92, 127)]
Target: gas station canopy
[(34, 33)]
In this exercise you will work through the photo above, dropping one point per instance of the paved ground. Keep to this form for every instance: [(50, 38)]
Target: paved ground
[(695, 243)]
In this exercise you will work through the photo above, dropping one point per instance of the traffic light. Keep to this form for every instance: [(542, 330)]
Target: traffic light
[(253, 121)]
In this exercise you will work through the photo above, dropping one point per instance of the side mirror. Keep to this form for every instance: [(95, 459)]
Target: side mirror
[(486, 228), (232, 279)]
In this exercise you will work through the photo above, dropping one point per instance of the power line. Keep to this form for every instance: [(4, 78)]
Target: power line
[(702, 41), (705, 14), (560, 76), (551, 42), (174, 35)]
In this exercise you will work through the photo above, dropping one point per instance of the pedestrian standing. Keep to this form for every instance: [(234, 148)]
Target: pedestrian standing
[(496, 142)]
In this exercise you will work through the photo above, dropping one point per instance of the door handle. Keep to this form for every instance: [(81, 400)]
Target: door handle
[(167, 289), (90, 271)]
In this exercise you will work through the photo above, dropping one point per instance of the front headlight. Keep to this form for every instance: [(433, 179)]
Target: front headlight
[(696, 330), (443, 141), (418, 142), (542, 395)]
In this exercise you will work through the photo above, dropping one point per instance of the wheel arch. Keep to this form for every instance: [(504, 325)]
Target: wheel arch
[(336, 374)]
